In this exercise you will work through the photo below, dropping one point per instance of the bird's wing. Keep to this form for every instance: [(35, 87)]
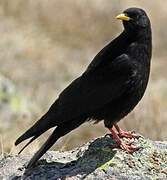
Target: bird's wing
[(110, 52), (93, 90)]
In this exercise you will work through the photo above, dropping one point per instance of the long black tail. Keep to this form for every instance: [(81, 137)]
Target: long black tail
[(36, 130), (60, 131), (31, 140), (46, 122)]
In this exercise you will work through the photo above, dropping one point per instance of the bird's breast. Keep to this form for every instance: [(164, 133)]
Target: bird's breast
[(127, 102)]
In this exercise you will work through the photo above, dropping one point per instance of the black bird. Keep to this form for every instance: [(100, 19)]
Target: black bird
[(108, 90)]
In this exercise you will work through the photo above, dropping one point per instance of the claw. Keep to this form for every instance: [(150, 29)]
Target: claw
[(119, 144), (126, 147), (129, 148), (129, 142)]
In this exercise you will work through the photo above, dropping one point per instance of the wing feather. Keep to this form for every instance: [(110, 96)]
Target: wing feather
[(93, 90)]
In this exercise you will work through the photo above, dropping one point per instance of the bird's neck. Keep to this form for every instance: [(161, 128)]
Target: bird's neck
[(143, 37)]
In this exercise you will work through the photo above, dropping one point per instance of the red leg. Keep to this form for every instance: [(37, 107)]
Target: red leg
[(122, 133), (127, 147)]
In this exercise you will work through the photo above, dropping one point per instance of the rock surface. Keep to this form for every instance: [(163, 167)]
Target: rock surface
[(94, 160)]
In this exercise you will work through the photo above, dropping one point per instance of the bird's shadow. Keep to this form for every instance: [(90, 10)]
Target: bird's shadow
[(98, 153)]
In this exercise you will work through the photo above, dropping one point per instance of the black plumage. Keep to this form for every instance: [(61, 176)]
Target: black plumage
[(108, 90)]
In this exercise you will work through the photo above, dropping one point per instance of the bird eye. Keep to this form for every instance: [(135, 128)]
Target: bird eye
[(131, 18), (132, 15)]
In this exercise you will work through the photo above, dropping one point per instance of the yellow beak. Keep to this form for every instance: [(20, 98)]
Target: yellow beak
[(123, 17)]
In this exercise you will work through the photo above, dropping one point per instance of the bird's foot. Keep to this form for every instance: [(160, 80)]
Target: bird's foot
[(130, 141), (126, 134), (128, 147)]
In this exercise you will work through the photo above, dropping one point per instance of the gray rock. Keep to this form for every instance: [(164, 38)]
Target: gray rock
[(94, 160)]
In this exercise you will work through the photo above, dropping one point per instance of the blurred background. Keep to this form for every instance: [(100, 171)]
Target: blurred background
[(44, 45)]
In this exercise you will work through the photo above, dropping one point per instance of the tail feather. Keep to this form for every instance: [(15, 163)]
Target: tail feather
[(51, 140), (31, 140), (36, 130), (60, 131)]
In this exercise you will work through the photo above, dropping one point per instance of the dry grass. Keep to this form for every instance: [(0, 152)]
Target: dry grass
[(46, 44)]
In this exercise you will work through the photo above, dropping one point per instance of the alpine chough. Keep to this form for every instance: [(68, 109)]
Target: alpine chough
[(108, 90)]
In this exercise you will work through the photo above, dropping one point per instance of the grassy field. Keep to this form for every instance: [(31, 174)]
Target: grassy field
[(46, 44)]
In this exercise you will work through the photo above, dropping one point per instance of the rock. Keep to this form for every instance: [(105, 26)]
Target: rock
[(94, 160)]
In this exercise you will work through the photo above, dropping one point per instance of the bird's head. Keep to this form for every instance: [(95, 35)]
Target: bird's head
[(134, 19)]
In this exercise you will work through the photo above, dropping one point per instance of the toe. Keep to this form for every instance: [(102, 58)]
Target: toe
[(129, 148)]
